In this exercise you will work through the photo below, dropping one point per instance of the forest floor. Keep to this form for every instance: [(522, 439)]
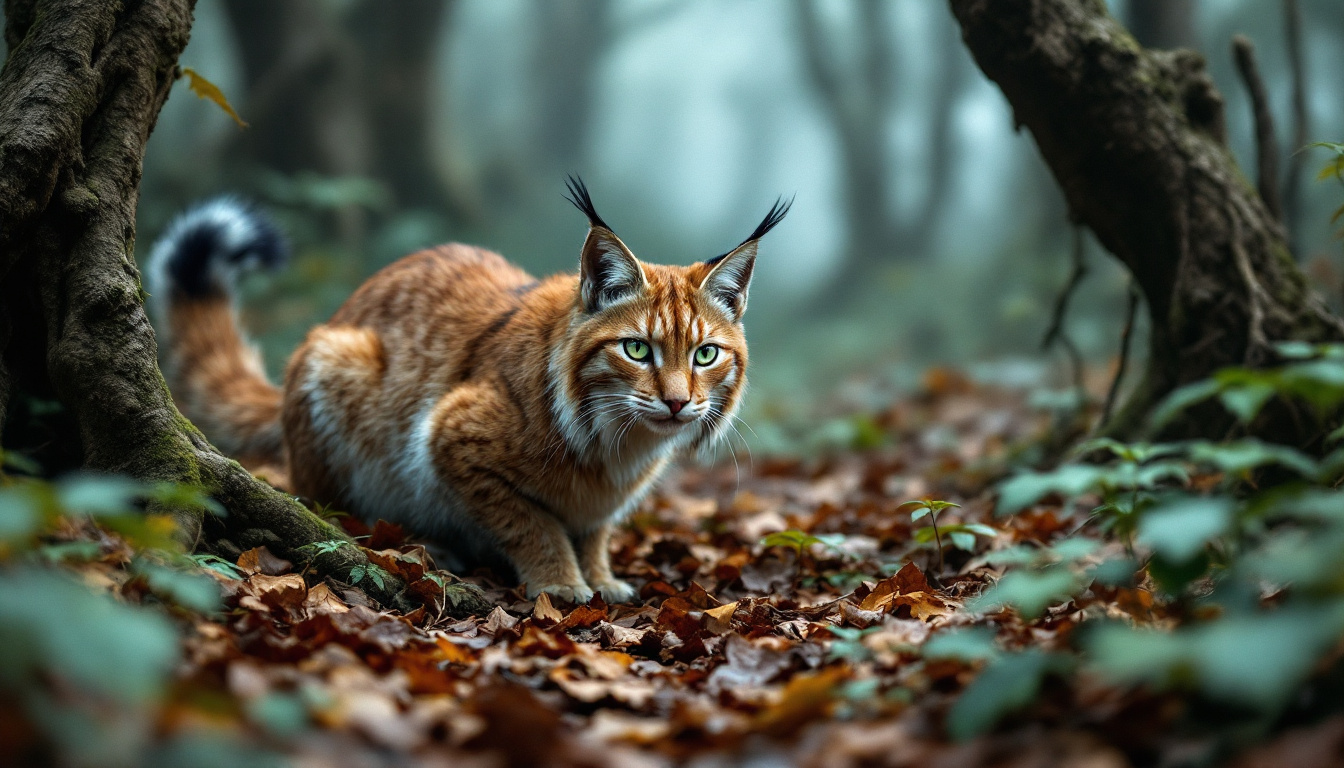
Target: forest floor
[(791, 612)]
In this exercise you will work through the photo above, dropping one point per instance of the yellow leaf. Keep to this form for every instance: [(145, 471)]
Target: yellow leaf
[(543, 610), (720, 620), (1333, 168), (207, 90)]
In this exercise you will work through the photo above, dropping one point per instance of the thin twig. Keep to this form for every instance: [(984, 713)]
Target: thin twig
[(1266, 144), (1256, 296), (1055, 333), (1292, 24), (938, 538), (1125, 337)]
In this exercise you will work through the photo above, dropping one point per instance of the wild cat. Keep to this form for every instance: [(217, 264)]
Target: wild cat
[(496, 414)]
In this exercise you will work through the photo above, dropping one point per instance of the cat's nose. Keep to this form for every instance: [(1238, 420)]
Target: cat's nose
[(675, 406)]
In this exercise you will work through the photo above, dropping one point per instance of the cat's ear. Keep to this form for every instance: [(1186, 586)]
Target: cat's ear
[(608, 271), (727, 283), (729, 276)]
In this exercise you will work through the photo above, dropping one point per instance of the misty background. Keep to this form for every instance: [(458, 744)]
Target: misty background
[(926, 230)]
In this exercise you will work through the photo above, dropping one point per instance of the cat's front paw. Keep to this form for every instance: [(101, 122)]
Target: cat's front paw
[(617, 591), (574, 593)]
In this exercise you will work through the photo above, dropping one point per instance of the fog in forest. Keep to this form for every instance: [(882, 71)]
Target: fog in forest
[(926, 230)]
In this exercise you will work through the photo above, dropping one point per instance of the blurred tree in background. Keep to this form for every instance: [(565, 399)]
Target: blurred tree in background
[(927, 229)]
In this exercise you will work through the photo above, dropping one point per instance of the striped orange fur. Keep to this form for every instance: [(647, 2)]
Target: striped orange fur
[(501, 416)]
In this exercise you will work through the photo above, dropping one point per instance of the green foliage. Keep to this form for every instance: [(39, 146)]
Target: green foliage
[(1199, 518), (1030, 592), (868, 434), (961, 535), (456, 592), (53, 627), (319, 548), (1007, 684), (190, 590), (1333, 169), (1314, 373), (848, 644), (791, 539), (970, 644), (217, 564), (89, 671), (327, 193), (1253, 659), (801, 541), (372, 572)]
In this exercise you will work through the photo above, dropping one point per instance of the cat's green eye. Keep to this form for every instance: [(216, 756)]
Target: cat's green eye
[(637, 350), (706, 354)]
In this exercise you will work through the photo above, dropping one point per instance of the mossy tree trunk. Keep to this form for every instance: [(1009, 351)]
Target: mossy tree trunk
[(79, 94), (1137, 141)]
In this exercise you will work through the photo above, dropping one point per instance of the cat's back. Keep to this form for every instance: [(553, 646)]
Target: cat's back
[(448, 315), (456, 285)]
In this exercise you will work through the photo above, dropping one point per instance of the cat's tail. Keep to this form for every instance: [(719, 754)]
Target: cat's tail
[(215, 374)]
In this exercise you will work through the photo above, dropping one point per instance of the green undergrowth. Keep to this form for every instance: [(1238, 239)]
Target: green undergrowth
[(1238, 542), (94, 596)]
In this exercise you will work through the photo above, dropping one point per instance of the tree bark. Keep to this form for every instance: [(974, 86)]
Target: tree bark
[(343, 91), (398, 42), (573, 41), (857, 101), (854, 72), (79, 94), (1136, 140), (1163, 23)]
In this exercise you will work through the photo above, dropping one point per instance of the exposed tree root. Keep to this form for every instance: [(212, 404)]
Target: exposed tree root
[(80, 92)]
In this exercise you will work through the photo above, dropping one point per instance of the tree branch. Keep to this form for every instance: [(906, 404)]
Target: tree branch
[(826, 79), (1266, 143), (78, 99), (1136, 140), (1055, 333), (1292, 186), (1126, 337)]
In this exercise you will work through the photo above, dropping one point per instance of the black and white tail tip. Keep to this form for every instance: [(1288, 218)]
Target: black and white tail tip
[(207, 246)]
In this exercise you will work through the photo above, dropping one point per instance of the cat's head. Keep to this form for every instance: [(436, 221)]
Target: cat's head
[(656, 354)]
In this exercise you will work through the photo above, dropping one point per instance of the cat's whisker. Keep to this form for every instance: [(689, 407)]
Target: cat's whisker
[(751, 462)]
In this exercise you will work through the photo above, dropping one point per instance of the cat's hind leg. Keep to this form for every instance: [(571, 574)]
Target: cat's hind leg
[(332, 383)]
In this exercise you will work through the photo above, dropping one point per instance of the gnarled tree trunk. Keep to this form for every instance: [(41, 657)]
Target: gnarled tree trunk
[(79, 94), (1136, 140)]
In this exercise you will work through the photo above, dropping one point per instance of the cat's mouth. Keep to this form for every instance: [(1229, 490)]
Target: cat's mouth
[(667, 425)]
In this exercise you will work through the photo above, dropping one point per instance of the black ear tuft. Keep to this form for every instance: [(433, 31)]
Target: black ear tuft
[(771, 220), (578, 195)]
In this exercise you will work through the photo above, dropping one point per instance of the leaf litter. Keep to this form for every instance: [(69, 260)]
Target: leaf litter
[(787, 615)]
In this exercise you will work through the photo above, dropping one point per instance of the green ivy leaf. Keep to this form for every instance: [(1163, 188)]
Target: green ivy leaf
[(1006, 685), (217, 564), (1029, 592), (969, 645), (792, 539), (1070, 480), (962, 540), (1179, 529), (1245, 402), (1181, 399), (1242, 456)]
